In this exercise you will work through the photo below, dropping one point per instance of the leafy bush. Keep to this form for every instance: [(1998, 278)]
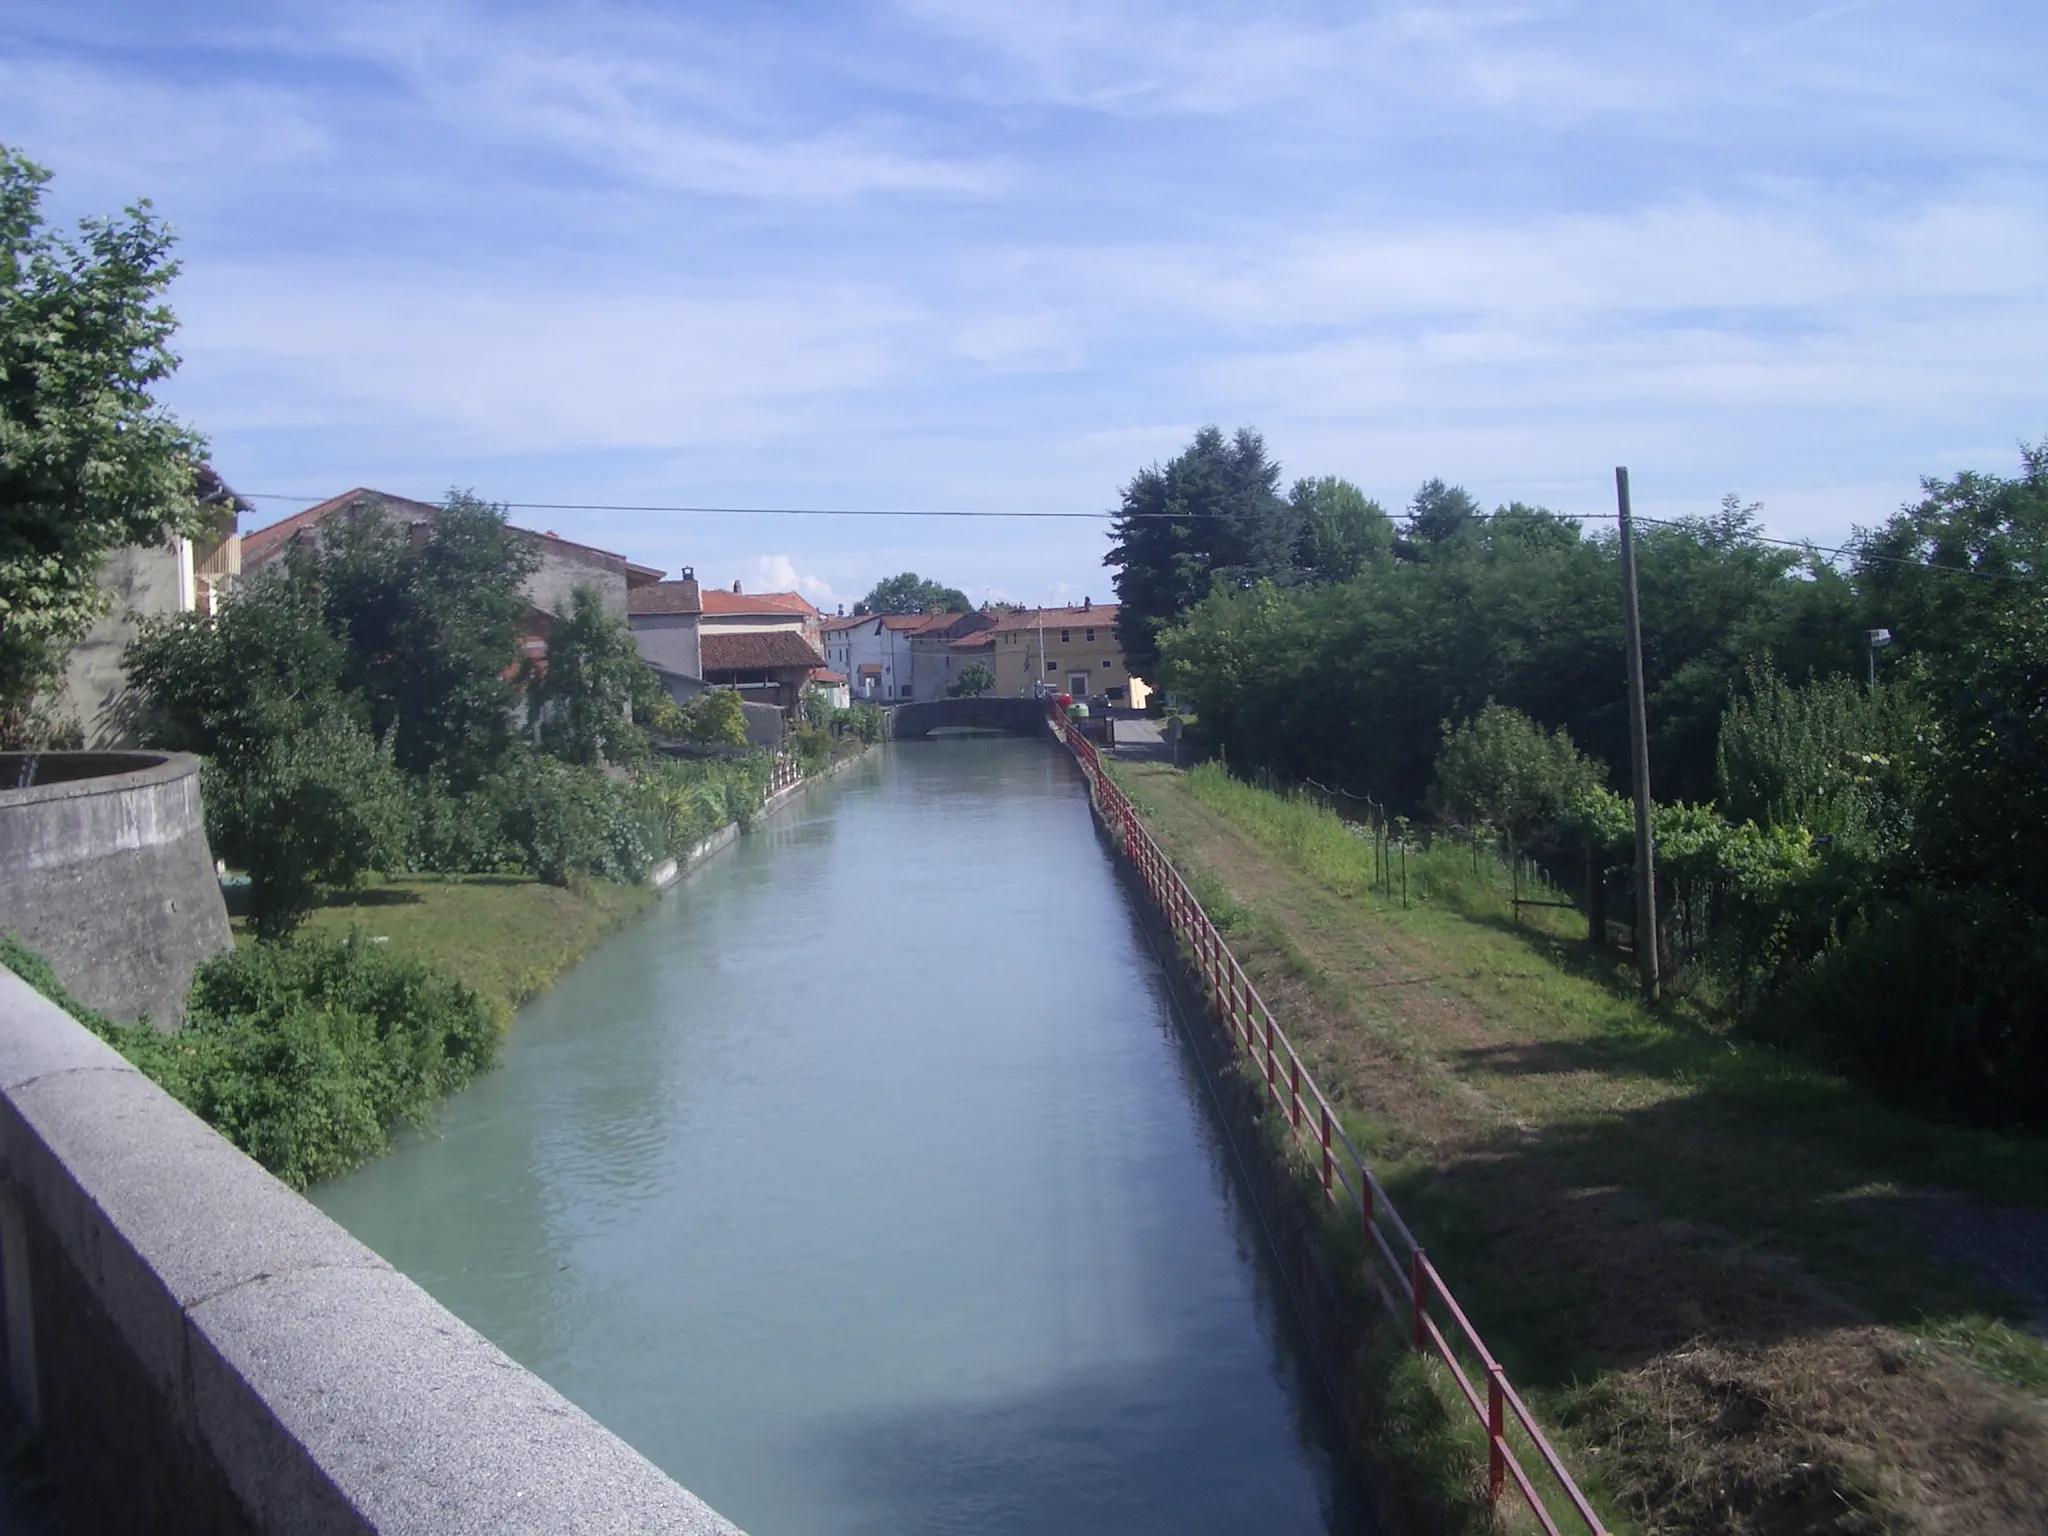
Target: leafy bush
[(1499, 769), (688, 801), (304, 1054), (1834, 757), (716, 719), (582, 700), (976, 678), (812, 745), (322, 806), (869, 721), (569, 823)]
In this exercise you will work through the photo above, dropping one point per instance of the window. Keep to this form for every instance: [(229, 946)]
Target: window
[(1105, 663), (1052, 666), (1063, 637), (906, 690), (1091, 637)]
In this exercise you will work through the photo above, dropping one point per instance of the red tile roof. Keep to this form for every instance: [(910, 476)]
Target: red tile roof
[(265, 544), (717, 600), (1097, 615), (768, 649), (827, 676), (664, 597)]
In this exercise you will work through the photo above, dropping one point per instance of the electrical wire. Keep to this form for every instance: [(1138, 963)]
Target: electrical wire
[(1805, 546)]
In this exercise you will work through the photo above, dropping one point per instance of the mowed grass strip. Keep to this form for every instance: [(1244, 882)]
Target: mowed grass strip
[(508, 936), (1710, 1263)]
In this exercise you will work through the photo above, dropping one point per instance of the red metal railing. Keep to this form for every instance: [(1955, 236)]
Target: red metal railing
[(1409, 1284)]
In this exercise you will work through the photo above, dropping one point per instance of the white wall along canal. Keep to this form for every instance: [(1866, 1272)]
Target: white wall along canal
[(866, 1186)]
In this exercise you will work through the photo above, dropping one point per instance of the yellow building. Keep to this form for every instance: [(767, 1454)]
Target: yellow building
[(1068, 650)]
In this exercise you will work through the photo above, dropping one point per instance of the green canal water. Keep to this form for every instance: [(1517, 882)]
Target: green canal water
[(867, 1187)]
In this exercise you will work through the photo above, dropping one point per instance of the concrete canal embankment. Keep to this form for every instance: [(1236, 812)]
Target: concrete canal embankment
[(105, 871), (202, 1350)]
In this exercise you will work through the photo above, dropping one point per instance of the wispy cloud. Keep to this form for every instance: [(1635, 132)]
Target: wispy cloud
[(920, 253)]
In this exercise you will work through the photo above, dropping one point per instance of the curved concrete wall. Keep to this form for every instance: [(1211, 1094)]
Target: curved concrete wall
[(203, 1351), (104, 869)]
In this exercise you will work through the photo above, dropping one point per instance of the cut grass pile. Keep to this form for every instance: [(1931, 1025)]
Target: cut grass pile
[(1711, 1264)]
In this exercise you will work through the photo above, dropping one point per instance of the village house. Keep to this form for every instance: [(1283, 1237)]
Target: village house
[(564, 565), (764, 644), (1064, 650), (940, 649), (665, 616), (183, 576)]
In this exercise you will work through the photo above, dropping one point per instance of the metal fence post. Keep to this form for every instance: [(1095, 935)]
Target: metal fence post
[(1329, 1162), (1419, 1276), (1496, 1435)]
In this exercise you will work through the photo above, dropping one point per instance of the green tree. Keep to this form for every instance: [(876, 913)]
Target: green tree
[(432, 629), (1341, 530), (1500, 769), (89, 460), (1213, 514), (976, 678), (582, 700), (912, 593), (1437, 515), (716, 718)]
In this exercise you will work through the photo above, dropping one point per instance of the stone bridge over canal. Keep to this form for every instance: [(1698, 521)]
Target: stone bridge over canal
[(1018, 717)]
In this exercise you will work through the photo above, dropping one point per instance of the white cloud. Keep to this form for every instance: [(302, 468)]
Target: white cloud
[(778, 573)]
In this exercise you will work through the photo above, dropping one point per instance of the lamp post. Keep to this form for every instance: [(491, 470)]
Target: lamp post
[(1879, 639)]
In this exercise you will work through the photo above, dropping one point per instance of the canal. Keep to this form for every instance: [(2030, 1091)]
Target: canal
[(866, 1187)]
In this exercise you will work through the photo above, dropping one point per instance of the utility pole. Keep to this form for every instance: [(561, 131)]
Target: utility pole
[(1639, 754)]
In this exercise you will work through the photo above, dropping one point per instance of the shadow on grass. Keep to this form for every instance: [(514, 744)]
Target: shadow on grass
[(1597, 1243), (373, 896)]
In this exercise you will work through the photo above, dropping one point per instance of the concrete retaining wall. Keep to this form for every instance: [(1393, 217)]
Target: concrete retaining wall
[(105, 869), (204, 1351)]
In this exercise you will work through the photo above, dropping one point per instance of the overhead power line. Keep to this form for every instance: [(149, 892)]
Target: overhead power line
[(994, 514)]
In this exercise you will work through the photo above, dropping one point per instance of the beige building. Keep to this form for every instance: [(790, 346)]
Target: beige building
[(1063, 650), (183, 576)]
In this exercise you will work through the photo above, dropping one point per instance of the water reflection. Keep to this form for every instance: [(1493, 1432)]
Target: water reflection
[(865, 1188)]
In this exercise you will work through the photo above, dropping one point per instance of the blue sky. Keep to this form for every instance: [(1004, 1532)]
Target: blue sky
[(1000, 256)]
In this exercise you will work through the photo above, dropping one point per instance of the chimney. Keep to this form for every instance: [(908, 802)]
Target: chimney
[(842, 610), (1087, 603), (735, 587), (689, 573), (419, 531)]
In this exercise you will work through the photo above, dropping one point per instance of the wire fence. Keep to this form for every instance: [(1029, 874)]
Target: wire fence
[(1398, 1267)]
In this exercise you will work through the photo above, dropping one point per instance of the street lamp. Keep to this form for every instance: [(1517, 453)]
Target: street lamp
[(1879, 639)]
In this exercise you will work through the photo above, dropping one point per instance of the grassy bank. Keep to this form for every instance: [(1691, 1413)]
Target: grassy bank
[(508, 936), (1744, 1291)]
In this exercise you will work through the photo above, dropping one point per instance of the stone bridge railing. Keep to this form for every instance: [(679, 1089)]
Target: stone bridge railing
[(199, 1349)]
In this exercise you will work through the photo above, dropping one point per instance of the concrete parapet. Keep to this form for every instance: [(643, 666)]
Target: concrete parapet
[(202, 1350), (105, 869)]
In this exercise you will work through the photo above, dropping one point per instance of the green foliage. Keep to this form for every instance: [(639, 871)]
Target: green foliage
[(303, 1054), (912, 593), (1341, 531), (819, 710), (89, 461), (569, 823), (691, 800), (976, 678), (320, 806), (1499, 769), (582, 700), (1349, 682), (869, 721), (431, 626), (1214, 514), (1834, 757), (813, 745), (715, 718)]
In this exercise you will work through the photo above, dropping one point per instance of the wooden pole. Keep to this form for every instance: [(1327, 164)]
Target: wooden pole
[(1639, 754)]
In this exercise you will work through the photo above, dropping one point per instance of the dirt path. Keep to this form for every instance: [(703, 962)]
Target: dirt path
[(1733, 1286)]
